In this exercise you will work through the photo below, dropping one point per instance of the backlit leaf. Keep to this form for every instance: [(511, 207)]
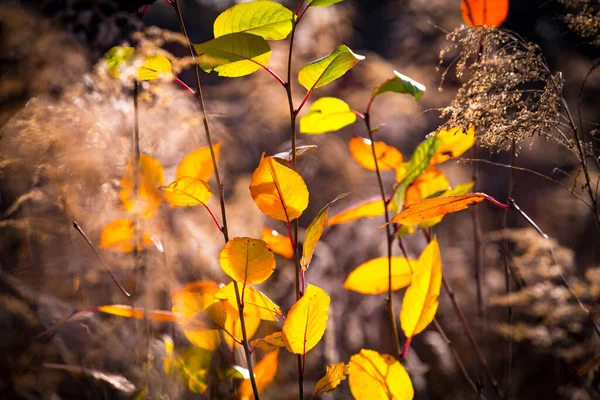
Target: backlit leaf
[(328, 114), (314, 232), (401, 84), (454, 142), (188, 192), (329, 68), (255, 302), (334, 375), (371, 277), (194, 365), (279, 191), (368, 209), (378, 376), (115, 57), (234, 55), (269, 342), (323, 3), (457, 190), (278, 243), (247, 260), (420, 302), (148, 197), (137, 313), (267, 19), (234, 327), (264, 372), (490, 13), (306, 322), (431, 181), (154, 67), (430, 208), (198, 164), (388, 157), (118, 235)]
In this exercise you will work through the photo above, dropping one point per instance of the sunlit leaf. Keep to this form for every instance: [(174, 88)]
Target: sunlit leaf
[(234, 327), (148, 197), (401, 84), (323, 3), (329, 68), (388, 157), (255, 302), (314, 232), (490, 13), (334, 375), (119, 235), (137, 313), (306, 322), (154, 67), (378, 376), (328, 114), (371, 277), (198, 164), (431, 181), (267, 19), (455, 191), (279, 191), (278, 243), (454, 142), (438, 206), (115, 57), (187, 192), (264, 372), (269, 342), (194, 365), (368, 209), (420, 302), (287, 155), (234, 55), (247, 260)]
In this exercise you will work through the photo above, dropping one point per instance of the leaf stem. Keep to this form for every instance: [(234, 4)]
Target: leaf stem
[(303, 101)]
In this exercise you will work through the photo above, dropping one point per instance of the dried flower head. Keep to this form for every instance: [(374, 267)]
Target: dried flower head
[(583, 18)]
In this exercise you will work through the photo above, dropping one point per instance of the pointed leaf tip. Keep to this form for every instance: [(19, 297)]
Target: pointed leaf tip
[(401, 84), (329, 68)]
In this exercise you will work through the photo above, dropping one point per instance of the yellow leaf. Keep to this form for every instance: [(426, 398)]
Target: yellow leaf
[(247, 260), (371, 277), (233, 325), (436, 207), (278, 243), (420, 302), (198, 164), (264, 372), (306, 322), (255, 302), (328, 114), (378, 376), (278, 191), (454, 143), (368, 209), (118, 235), (388, 157), (137, 313), (148, 197), (431, 181), (194, 365), (187, 191), (269, 342), (154, 67), (334, 375)]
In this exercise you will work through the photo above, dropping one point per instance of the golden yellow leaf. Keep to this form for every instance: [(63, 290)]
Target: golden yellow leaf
[(269, 342), (118, 235), (431, 181), (334, 375), (490, 13), (388, 157), (454, 143), (198, 164), (137, 313), (278, 243), (148, 197), (187, 192), (233, 325), (371, 277), (264, 372), (378, 376), (306, 322), (420, 302), (436, 207), (368, 209), (247, 260), (255, 302), (278, 191), (154, 67)]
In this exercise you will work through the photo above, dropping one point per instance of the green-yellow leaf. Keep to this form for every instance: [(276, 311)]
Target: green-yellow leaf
[(255, 302), (306, 322), (194, 365), (187, 192), (329, 68), (401, 84), (378, 376), (328, 114), (234, 55), (334, 375), (323, 3), (371, 277), (247, 260), (269, 342), (115, 57), (267, 19), (154, 67)]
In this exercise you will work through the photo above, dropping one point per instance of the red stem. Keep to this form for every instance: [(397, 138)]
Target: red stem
[(369, 105), (406, 346), (497, 203), (274, 75), (298, 7), (359, 115), (213, 217), (303, 12), (303, 101), (183, 84)]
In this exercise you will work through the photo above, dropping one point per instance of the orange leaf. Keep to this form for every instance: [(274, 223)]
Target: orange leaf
[(436, 207), (247, 260), (119, 236), (255, 302), (368, 209), (198, 164), (454, 142), (278, 243), (137, 313), (388, 157), (371, 277), (148, 198), (279, 191), (264, 372), (431, 181), (490, 13)]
